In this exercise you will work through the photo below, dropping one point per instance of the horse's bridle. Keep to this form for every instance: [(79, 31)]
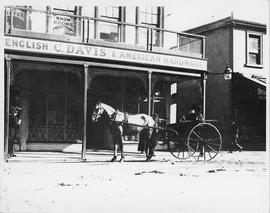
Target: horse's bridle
[(96, 113)]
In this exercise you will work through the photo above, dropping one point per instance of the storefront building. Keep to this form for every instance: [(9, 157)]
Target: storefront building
[(244, 45), (60, 61)]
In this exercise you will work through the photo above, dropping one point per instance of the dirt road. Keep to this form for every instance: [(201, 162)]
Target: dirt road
[(59, 182)]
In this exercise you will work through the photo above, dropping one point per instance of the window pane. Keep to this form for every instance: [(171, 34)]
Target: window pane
[(109, 32), (149, 16), (56, 111), (57, 82), (173, 113), (38, 80), (254, 58), (109, 12), (37, 109), (254, 44), (74, 110)]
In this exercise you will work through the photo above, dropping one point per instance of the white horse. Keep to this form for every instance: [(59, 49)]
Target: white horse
[(119, 119)]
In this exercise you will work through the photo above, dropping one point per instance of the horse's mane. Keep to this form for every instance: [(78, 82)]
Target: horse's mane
[(107, 107)]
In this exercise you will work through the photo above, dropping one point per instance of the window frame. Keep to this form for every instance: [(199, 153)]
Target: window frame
[(248, 51)]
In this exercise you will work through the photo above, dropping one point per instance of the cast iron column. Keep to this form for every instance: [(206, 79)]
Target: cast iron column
[(204, 95), (83, 155), (149, 91), (8, 63)]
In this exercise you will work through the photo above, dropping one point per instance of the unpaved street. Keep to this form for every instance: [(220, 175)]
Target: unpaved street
[(59, 182)]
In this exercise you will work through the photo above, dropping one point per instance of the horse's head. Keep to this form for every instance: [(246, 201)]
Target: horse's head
[(97, 112)]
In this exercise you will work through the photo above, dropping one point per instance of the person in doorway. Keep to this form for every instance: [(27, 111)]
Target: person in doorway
[(14, 123), (235, 138)]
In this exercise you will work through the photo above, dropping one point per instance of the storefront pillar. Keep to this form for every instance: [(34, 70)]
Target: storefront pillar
[(204, 77), (83, 154), (8, 66), (149, 92)]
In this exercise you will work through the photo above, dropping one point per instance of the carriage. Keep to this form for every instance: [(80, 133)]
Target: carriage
[(200, 140), (197, 138)]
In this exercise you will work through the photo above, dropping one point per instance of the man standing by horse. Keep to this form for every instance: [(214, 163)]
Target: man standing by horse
[(148, 139)]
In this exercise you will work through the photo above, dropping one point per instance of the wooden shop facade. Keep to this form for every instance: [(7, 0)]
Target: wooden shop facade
[(60, 61)]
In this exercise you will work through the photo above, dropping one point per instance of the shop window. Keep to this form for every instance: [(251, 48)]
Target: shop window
[(74, 110), (56, 111), (38, 81), (38, 109), (57, 82), (254, 49)]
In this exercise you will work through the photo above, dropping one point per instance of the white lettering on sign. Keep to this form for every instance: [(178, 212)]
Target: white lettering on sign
[(83, 50)]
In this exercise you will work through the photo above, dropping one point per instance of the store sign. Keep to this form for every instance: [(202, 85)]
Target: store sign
[(62, 24), (89, 51)]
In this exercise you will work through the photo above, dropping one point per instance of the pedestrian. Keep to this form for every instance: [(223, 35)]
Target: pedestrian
[(152, 142), (14, 123), (235, 138)]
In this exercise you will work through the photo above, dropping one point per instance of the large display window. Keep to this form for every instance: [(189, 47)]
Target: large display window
[(55, 106)]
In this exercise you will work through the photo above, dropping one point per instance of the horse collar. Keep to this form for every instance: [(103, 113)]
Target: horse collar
[(113, 116)]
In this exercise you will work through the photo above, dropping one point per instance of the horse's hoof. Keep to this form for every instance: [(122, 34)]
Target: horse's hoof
[(148, 159), (122, 159), (113, 159)]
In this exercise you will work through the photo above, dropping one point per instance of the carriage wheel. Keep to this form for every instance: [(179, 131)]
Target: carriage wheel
[(204, 141), (177, 147)]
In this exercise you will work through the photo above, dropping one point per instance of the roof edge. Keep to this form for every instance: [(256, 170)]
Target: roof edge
[(228, 21)]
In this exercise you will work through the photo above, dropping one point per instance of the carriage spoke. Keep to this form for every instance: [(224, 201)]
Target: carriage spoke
[(211, 147), (209, 154), (213, 143), (197, 135)]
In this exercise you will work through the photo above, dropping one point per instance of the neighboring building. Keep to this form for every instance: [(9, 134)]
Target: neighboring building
[(244, 45), (60, 61)]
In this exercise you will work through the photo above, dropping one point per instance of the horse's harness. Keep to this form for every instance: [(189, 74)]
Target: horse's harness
[(125, 121), (113, 117)]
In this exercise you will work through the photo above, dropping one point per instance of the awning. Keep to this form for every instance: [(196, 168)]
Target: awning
[(259, 80)]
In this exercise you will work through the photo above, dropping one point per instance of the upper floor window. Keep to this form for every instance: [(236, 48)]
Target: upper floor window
[(254, 49), (149, 16), (20, 18), (111, 31), (153, 17)]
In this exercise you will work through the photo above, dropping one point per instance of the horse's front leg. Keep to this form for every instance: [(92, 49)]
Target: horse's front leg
[(121, 145), (114, 151)]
